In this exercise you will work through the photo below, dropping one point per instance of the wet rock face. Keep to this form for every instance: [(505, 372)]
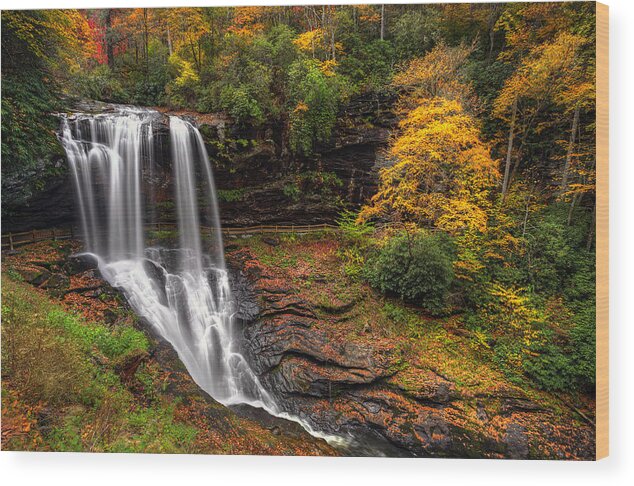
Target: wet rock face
[(343, 387), (33, 201), (252, 168), (261, 169)]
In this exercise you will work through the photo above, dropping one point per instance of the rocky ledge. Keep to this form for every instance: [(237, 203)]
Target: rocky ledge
[(359, 387)]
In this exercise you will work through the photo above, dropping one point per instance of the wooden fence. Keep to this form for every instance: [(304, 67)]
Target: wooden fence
[(12, 240)]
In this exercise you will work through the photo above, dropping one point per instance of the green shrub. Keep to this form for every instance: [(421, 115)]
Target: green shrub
[(230, 195), (100, 83), (292, 191), (320, 182), (355, 237), (314, 103), (418, 268), (239, 103), (353, 262), (571, 366), (352, 230)]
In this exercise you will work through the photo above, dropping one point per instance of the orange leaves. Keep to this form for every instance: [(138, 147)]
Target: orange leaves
[(247, 21), (19, 421), (301, 107), (437, 74)]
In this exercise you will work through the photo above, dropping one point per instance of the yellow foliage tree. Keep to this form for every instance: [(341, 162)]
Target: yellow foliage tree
[(186, 28), (442, 171), (442, 174), (550, 73), (311, 41), (437, 74)]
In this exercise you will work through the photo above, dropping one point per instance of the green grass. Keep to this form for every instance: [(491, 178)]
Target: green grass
[(59, 361), (162, 235)]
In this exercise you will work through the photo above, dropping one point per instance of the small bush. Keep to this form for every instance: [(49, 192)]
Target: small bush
[(571, 366), (230, 195), (418, 268), (353, 262), (292, 191), (101, 84), (239, 103), (352, 230)]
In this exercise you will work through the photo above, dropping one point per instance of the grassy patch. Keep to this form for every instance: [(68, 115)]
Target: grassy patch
[(162, 235), (58, 363)]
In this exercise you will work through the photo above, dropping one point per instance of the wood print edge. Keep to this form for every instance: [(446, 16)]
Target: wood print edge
[(602, 230)]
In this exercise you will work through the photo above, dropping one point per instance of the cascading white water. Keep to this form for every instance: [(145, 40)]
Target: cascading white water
[(182, 292)]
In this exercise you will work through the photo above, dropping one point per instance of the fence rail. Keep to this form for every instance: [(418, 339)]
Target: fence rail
[(12, 240)]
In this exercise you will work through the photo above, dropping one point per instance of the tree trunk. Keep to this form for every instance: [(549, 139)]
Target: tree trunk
[(146, 41), (382, 22), (575, 198), (332, 43), (591, 232), (169, 41), (571, 145), (193, 49), (493, 17), (509, 152), (108, 38)]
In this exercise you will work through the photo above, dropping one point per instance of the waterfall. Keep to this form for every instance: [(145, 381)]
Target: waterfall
[(182, 292)]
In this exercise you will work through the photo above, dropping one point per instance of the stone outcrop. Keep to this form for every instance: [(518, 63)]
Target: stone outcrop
[(360, 388)]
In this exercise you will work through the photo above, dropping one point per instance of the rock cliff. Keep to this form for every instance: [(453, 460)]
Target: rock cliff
[(258, 180)]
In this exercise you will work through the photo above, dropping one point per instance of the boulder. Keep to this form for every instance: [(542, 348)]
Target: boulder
[(57, 284), (80, 263), (34, 275)]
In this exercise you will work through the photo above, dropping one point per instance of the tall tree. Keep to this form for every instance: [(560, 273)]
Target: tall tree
[(540, 80)]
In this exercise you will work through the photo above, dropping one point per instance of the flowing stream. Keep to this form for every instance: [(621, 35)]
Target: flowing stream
[(182, 292)]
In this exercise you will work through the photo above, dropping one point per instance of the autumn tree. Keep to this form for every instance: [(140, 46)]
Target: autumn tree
[(437, 74), (550, 49), (441, 171), (546, 76)]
